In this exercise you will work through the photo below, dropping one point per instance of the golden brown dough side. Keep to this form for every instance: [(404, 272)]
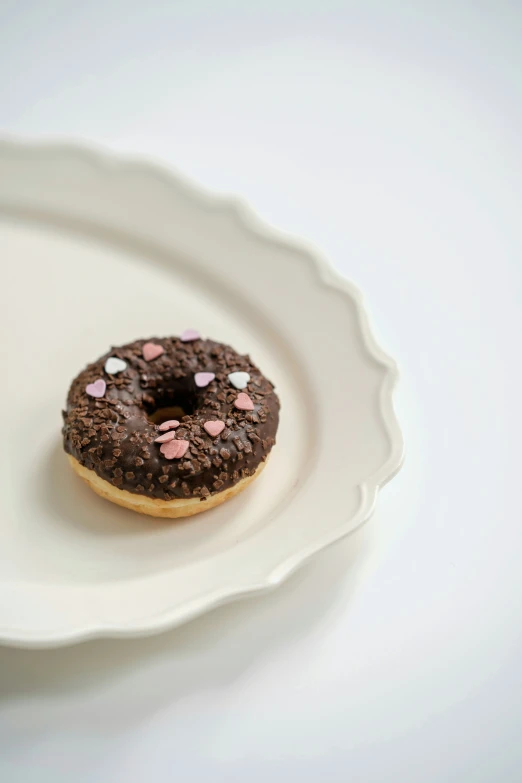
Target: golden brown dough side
[(154, 507)]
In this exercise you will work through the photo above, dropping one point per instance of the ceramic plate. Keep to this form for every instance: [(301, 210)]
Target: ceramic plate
[(97, 251)]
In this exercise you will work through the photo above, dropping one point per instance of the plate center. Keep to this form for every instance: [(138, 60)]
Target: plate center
[(68, 298)]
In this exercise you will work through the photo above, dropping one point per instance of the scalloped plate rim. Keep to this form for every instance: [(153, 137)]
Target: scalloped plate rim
[(104, 159)]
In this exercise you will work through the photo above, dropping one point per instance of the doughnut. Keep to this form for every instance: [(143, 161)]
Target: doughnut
[(171, 426)]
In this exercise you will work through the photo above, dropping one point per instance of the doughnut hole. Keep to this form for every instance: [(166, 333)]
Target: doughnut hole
[(171, 405)]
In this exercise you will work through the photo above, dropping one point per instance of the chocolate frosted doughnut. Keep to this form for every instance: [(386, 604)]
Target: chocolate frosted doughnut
[(170, 426)]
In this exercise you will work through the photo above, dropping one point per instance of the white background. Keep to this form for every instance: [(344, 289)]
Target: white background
[(388, 134)]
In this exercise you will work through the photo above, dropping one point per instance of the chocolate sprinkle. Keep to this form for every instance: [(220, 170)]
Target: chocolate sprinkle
[(114, 436)]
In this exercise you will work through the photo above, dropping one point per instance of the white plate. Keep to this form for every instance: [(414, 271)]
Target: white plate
[(97, 251)]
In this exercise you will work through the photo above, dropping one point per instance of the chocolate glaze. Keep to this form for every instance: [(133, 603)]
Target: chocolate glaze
[(114, 436)]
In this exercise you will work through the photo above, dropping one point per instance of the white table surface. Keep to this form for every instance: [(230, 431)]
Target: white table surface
[(388, 134)]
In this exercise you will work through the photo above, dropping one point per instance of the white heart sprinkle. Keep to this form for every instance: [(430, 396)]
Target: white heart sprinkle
[(114, 365), (239, 379)]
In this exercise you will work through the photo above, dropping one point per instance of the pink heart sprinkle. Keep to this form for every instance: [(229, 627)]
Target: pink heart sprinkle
[(214, 427), (165, 438), (152, 351), (203, 378), (169, 425), (189, 335), (96, 389), (174, 449), (243, 402)]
